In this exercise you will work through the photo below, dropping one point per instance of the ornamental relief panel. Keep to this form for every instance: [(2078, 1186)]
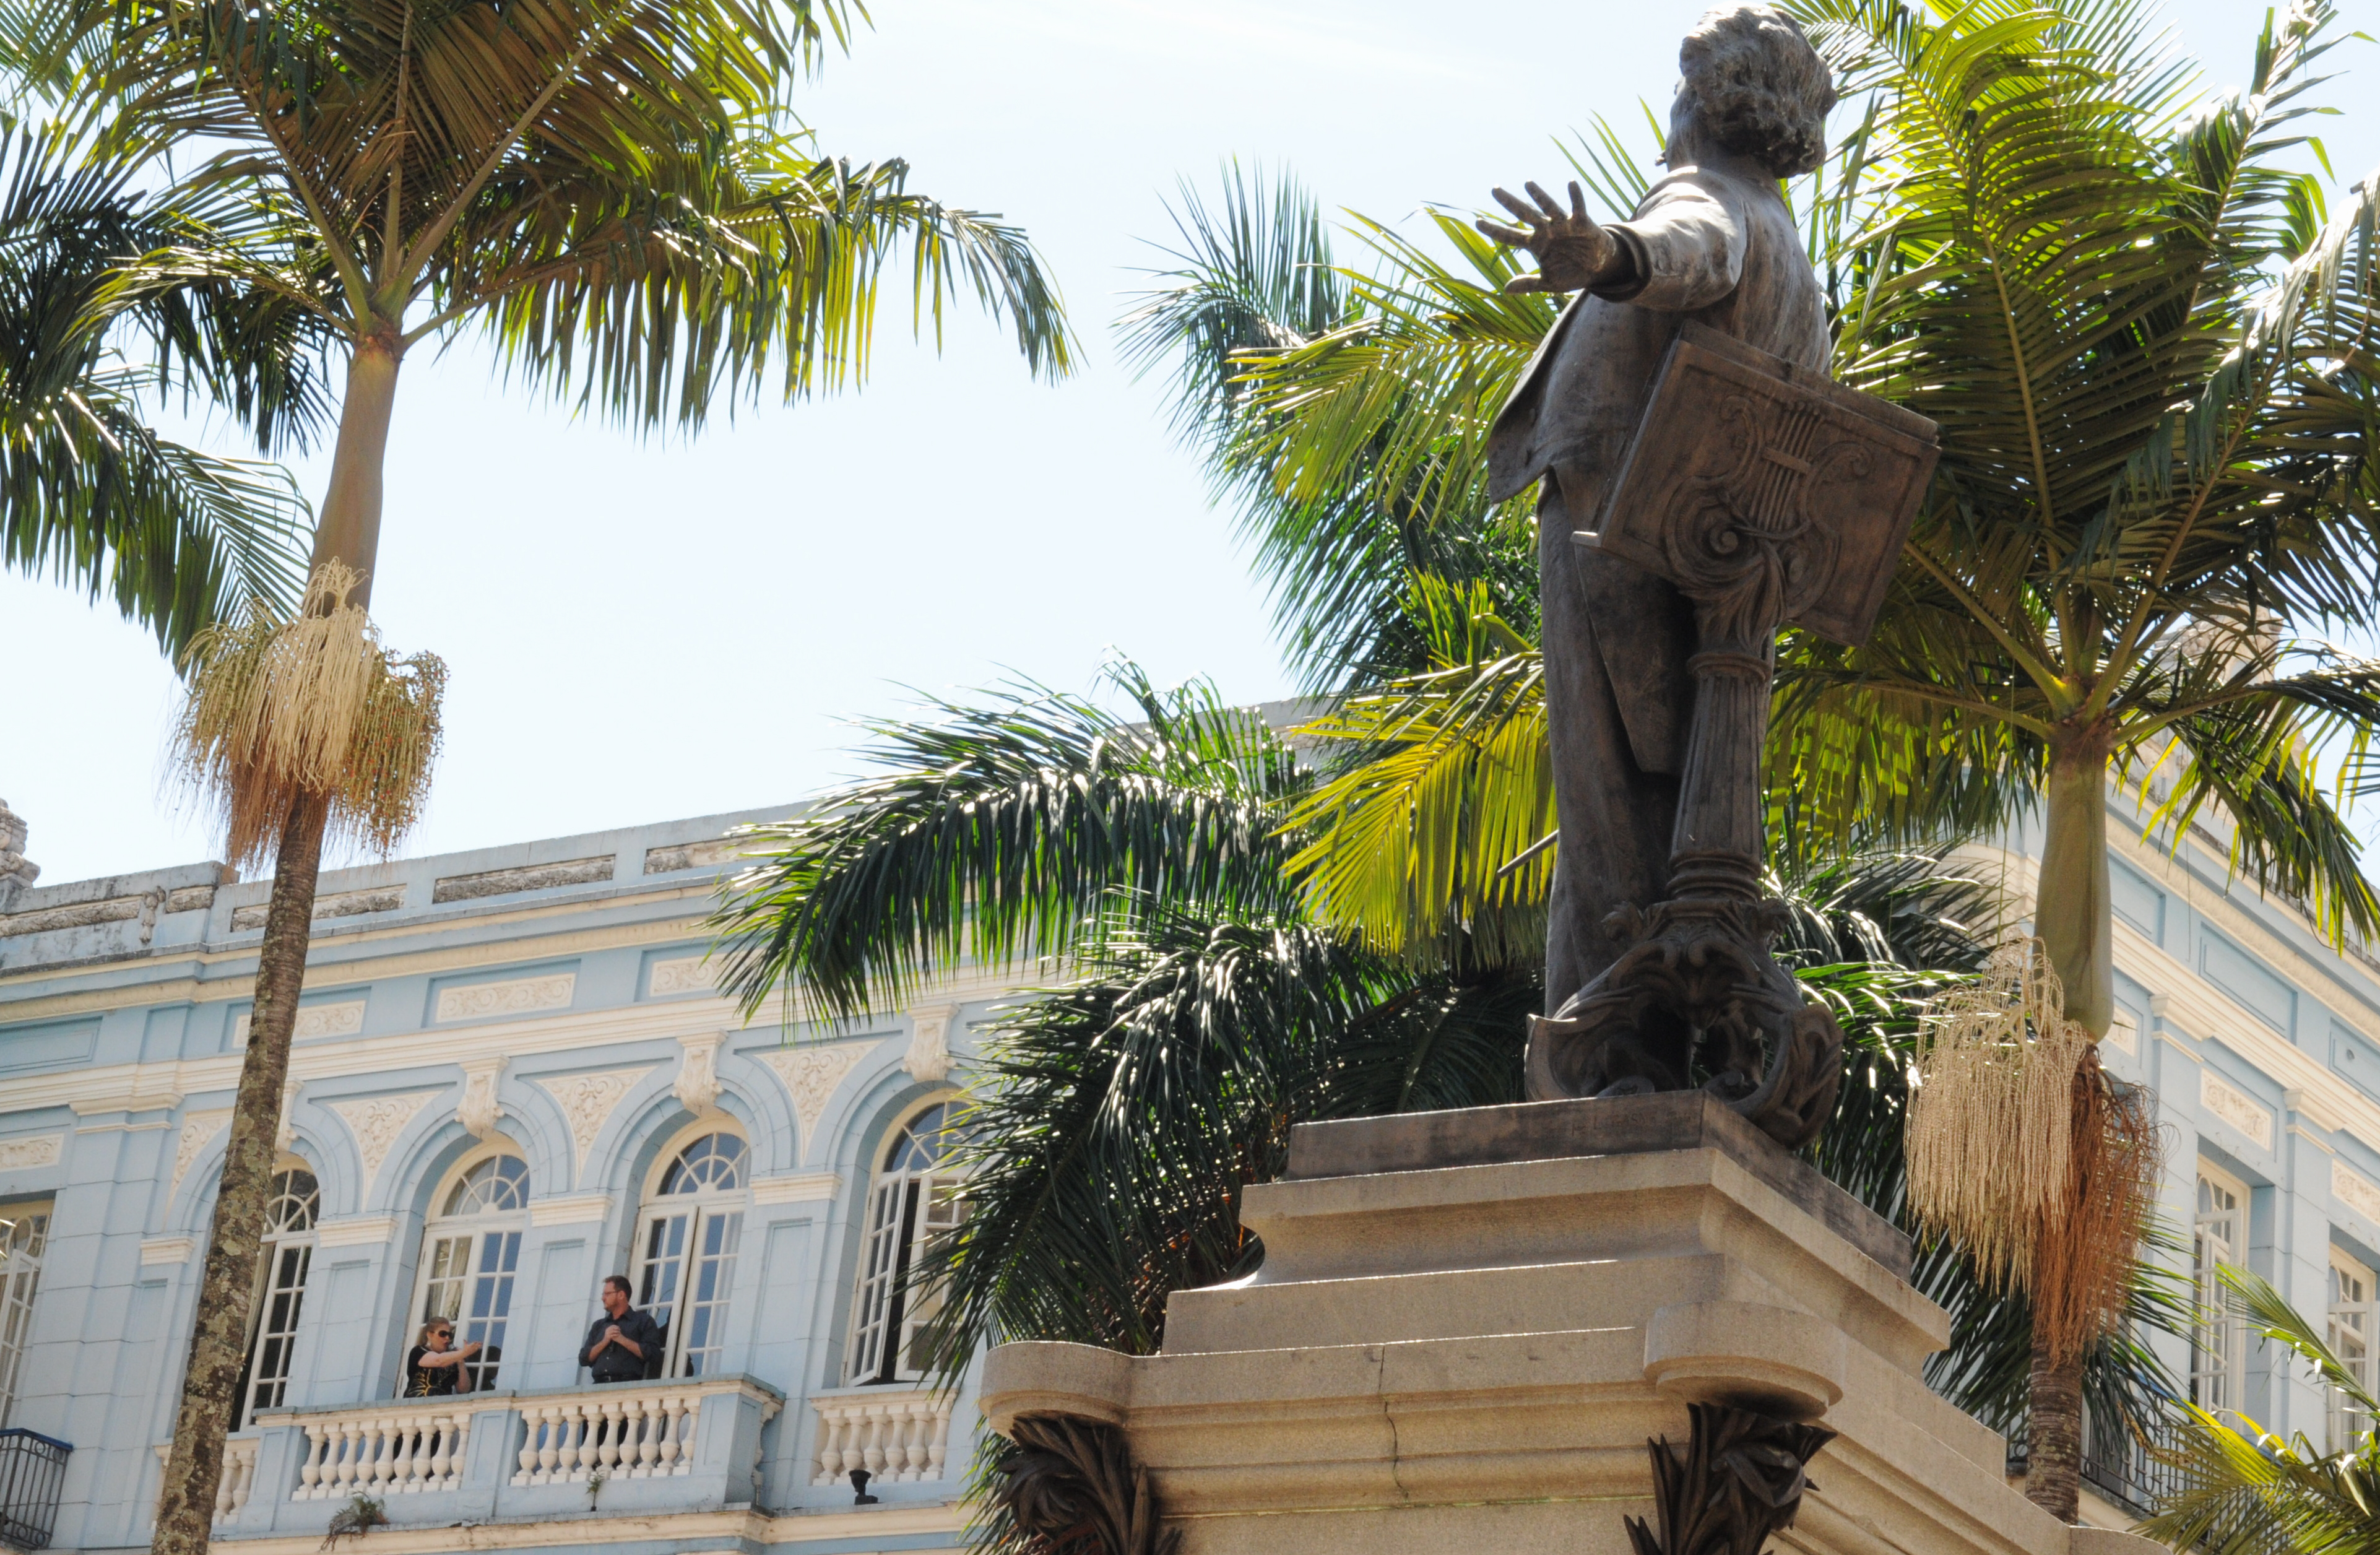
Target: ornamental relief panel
[(197, 1128), (518, 996), (376, 1122), (588, 1102), (41, 1149), (810, 1073)]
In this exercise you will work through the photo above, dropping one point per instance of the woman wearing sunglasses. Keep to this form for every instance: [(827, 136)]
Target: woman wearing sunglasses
[(434, 1367)]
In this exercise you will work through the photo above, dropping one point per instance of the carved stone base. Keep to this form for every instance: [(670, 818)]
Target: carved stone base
[(1468, 1326), (1697, 1002)]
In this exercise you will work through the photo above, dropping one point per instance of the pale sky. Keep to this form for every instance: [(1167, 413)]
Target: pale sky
[(642, 630)]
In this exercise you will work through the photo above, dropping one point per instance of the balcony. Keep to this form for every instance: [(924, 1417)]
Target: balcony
[(692, 1444), (899, 1435), (32, 1468)]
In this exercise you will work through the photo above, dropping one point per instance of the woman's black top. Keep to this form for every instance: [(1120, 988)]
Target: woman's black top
[(427, 1382)]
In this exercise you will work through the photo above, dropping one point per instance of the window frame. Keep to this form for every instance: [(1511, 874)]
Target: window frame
[(884, 1326), (23, 1246), (2219, 1339), (2349, 1322), (285, 1259), (692, 1279), (486, 1234)]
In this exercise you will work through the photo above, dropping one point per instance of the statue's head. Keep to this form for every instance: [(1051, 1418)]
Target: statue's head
[(1753, 86)]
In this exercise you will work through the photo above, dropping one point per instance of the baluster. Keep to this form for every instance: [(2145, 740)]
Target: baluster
[(441, 1442), (310, 1474), (426, 1430), (458, 1441), (855, 1437), (578, 1452), (895, 1441), (549, 1447), (915, 1424), (677, 1420), (872, 1441), (648, 1433), (386, 1458), (829, 1446), (343, 1461), (531, 1425), (609, 1450), (939, 1447)]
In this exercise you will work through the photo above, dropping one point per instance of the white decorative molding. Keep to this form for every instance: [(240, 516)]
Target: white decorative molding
[(2158, 1004), (808, 1188), (2313, 1110), (376, 1122), (197, 1129), (356, 1231), (40, 1149), (517, 996), (928, 1058), (679, 973), (810, 1075), (2356, 1191), (285, 1126), (343, 1019), (698, 1072), (2122, 1034), (479, 1110), (167, 1249), (2235, 1107), (586, 1101), (570, 1209)]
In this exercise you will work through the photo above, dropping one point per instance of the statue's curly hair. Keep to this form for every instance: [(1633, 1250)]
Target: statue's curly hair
[(1759, 86)]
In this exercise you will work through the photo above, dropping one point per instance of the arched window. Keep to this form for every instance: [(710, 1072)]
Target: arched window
[(686, 1251), (469, 1251), (24, 1231), (281, 1264), (916, 1198)]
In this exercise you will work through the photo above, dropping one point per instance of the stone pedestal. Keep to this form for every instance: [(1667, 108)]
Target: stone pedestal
[(1467, 1324)]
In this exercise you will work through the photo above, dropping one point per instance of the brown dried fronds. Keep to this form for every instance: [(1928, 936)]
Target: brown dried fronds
[(2083, 1266), (314, 705), (1990, 1122)]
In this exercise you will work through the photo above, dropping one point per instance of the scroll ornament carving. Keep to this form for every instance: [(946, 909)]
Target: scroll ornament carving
[(697, 1073), (1739, 1479), (928, 1058), (811, 1074), (521, 996), (41, 1149), (1071, 1484), (479, 1110), (197, 1129), (376, 1122), (586, 1101), (285, 1127)]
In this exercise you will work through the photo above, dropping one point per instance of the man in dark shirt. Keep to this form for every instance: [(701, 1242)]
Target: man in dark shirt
[(621, 1343)]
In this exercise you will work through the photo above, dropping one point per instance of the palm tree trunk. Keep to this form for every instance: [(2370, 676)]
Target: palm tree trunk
[(218, 1340), (2053, 1436), (349, 532), (2071, 912)]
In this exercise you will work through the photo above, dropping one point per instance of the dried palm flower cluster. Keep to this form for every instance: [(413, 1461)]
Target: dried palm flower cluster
[(2021, 1149), (315, 705)]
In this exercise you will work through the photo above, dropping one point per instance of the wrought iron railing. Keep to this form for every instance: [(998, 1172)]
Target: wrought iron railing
[(32, 1468), (2118, 1464)]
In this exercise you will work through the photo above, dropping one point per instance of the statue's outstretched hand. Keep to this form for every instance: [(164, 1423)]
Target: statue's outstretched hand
[(1573, 254)]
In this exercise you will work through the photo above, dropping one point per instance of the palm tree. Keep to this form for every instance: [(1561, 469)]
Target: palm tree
[(2240, 1487), (89, 495), (617, 198), (2145, 347), (1206, 1008)]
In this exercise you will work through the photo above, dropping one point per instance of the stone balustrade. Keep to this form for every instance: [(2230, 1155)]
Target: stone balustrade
[(238, 1474), (627, 1432), (896, 1435), (398, 1447)]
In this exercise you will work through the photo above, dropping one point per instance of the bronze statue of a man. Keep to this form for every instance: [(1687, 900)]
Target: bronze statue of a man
[(1713, 242)]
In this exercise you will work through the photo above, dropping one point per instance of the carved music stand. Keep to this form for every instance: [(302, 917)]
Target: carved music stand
[(1769, 494)]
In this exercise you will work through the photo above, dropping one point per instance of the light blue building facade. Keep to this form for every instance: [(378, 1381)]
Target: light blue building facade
[(512, 1077)]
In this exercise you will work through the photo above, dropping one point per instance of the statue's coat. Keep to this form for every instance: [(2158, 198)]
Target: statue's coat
[(1709, 243)]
